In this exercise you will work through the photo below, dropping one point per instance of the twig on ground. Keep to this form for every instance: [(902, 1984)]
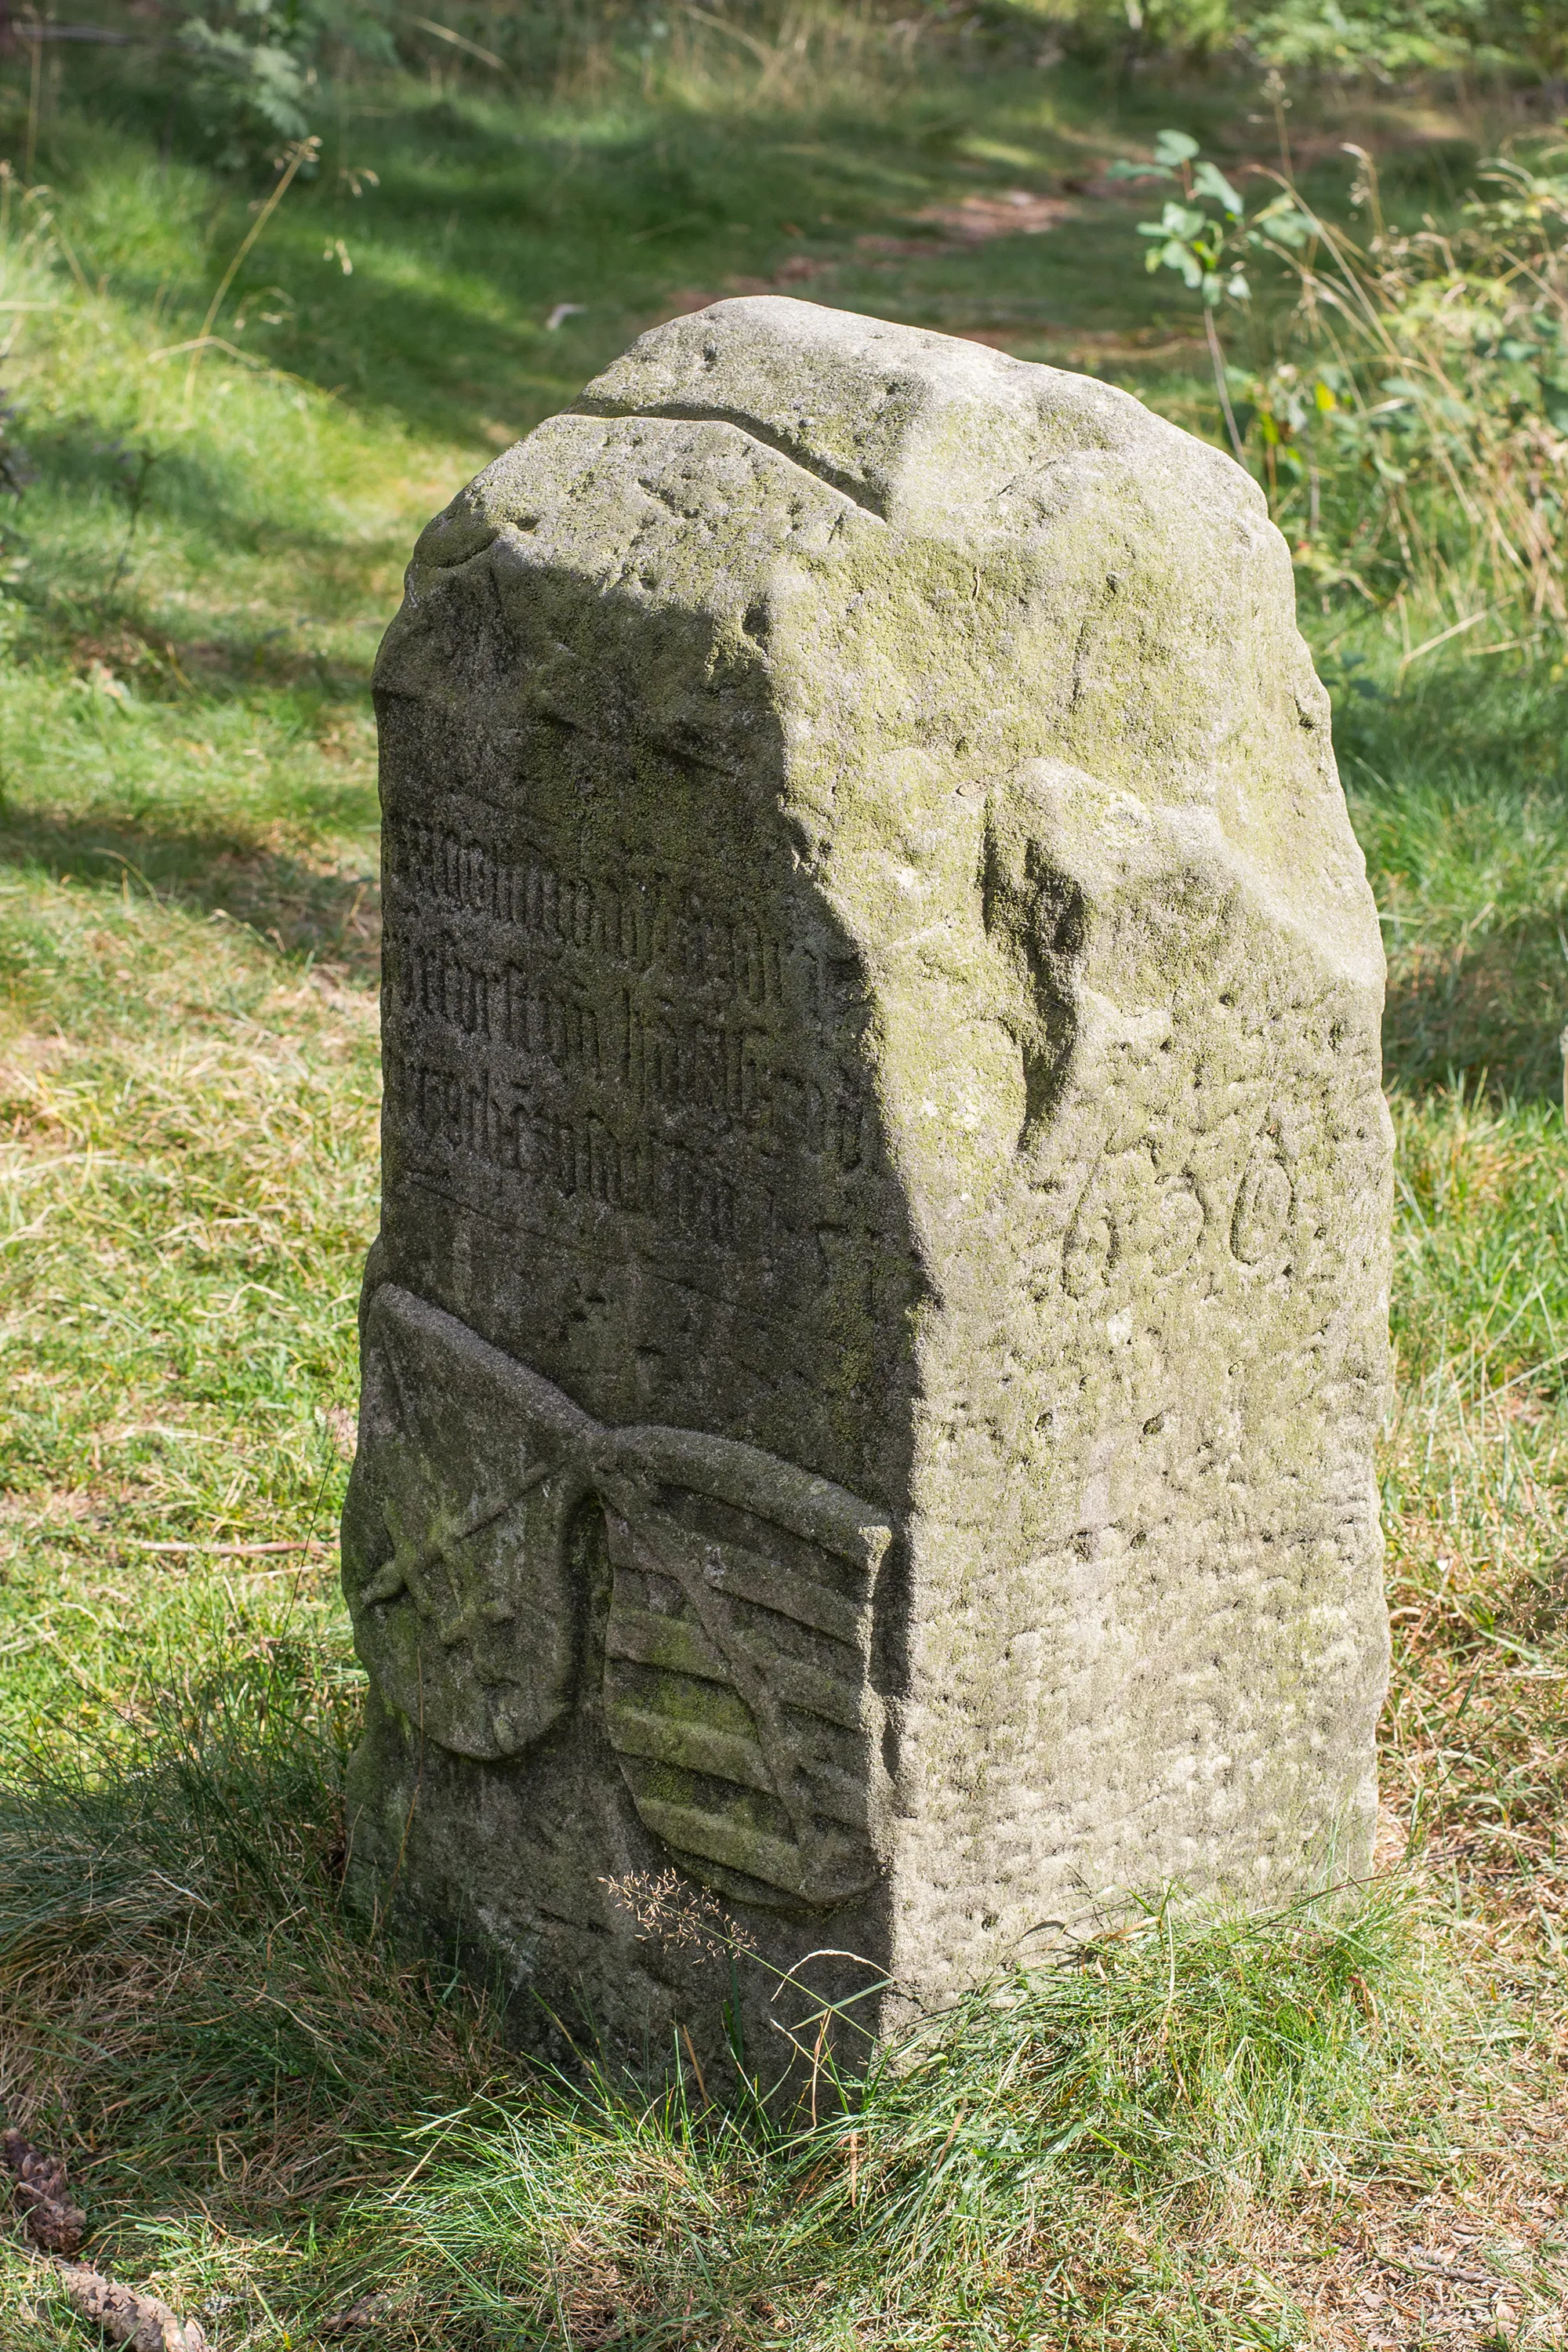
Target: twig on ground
[(368, 2311), (139, 2322), (1427, 2266), (219, 1550)]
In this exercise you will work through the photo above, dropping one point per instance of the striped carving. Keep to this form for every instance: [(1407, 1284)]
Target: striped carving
[(735, 1670), (737, 1687)]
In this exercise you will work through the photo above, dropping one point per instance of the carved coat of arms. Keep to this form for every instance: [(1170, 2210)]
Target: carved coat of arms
[(508, 1558)]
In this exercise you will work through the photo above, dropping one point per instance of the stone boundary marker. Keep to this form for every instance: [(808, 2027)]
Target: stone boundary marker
[(873, 1352)]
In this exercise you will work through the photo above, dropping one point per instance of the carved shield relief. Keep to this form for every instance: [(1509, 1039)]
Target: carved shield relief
[(736, 1686), (733, 1662), (454, 1531)]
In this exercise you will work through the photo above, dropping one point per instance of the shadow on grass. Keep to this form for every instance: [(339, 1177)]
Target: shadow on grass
[(1485, 1013), (185, 482), (309, 910), (1458, 789), (185, 2016), (87, 550), (175, 1967), (486, 216)]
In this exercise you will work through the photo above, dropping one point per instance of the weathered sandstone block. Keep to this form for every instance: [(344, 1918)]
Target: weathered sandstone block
[(873, 1352)]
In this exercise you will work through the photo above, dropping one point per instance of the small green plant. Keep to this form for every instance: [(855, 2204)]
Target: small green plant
[(1205, 249), (1413, 385), (251, 69), (1207, 238)]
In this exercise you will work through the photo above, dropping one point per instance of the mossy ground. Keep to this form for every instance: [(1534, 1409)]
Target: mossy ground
[(264, 2114)]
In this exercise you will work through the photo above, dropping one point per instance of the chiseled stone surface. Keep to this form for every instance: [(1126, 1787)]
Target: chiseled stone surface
[(873, 1352)]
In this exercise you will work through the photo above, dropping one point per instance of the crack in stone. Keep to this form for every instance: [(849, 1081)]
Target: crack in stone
[(691, 413)]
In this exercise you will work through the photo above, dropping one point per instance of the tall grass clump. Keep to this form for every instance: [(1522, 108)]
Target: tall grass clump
[(1406, 405), (1100, 2138), (174, 1968), (1438, 365), (1077, 2136)]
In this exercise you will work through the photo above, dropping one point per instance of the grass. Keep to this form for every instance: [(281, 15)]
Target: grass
[(1201, 2133), (992, 2180)]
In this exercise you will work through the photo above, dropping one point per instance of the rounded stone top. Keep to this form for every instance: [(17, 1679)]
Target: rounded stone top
[(886, 543), (920, 429)]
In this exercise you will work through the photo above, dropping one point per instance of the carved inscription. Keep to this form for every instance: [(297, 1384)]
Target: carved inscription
[(611, 1039), (1131, 1217), (643, 926), (1264, 1203)]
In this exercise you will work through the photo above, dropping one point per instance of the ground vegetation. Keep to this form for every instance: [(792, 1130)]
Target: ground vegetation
[(244, 360)]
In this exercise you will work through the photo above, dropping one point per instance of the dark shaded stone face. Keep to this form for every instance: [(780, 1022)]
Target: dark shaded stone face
[(630, 1119), (709, 1602), (878, 1325)]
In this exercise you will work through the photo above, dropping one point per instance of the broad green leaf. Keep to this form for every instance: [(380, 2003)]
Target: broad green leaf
[(1181, 220), (1208, 180)]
